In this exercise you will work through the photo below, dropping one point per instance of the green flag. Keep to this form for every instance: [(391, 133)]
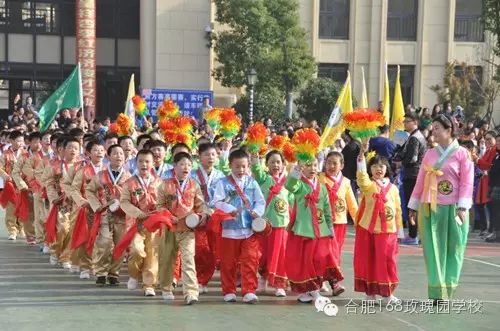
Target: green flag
[(68, 95)]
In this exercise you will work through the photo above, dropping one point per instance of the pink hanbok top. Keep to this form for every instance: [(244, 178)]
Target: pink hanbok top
[(453, 182)]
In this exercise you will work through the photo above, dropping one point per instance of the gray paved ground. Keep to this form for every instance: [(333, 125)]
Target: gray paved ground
[(37, 296)]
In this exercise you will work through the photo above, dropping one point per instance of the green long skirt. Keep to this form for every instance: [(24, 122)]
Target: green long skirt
[(443, 241)]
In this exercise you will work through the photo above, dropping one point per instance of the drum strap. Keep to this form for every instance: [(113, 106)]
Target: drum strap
[(240, 193)]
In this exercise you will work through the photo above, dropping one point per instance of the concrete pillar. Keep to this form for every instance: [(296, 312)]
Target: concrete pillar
[(148, 43)]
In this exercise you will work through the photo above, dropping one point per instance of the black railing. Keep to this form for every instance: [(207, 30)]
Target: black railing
[(402, 27), (469, 28)]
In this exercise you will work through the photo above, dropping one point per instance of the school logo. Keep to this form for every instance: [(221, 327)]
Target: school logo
[(445, 187), (321, 215), (280, 206), (340, 206), (389, 213)]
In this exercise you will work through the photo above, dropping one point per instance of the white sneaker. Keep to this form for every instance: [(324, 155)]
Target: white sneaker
[(202, 289), (305, 298), (316, 296), (280, 293), (85, 274), (262, 284), (46, 249), (250, 298), (22, 235), (324, 287), (167, 295), (390, 300), (132, 283), (53, 260), (230, 297), (148, 292), (190, 299), (12, 237), (66, 265), (74, 269)]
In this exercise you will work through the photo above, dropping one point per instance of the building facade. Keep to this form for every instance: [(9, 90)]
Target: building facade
[(164, 42), (419, 35), (38, 51)]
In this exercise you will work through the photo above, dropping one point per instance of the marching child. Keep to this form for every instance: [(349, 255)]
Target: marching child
[(240, 196), (7, 161), (182, 196), (53, 176), (310, 258), (273, 247), (103, 193), (377, 223), (82, 177), (138, 200), (206, 240), (342, 200)]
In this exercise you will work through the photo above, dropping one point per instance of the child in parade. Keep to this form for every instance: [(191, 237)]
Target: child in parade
[(310, 258), (207, 241), (138, 200), (239, 195), (273, 247), (182, 196), (377, 223), (103, 193), (342, 201)]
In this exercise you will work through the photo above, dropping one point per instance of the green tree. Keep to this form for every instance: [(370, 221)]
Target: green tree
[(462, 87), (265, 35), (317, 99), (491, 21)]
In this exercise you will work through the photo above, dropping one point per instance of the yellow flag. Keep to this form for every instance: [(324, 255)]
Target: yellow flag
[(364, 95), (387, 102), (398, 111), (129, 107), (334, 127)]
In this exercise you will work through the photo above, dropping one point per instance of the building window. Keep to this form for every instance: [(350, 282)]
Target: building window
[(407, 74), (334, 19), (3, 15), (26, 16), (4, 94), (128, 14), (402, 20), (468, 25), (335, 71)]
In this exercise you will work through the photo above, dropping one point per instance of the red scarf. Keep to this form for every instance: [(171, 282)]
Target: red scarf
[(311, 200), (332, 192), (275, 189), (203, 185), (378, 208)]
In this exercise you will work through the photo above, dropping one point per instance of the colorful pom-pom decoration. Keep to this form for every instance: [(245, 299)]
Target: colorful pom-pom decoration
[(364, 123), (230, 123), (263, 150), (289, 152), (168, 109), (124, 124), (140, 107), (278, 142), (213, 119), (306, 143), (113, 128), (177, 130), (255, 137)]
